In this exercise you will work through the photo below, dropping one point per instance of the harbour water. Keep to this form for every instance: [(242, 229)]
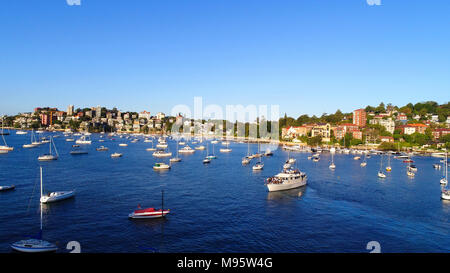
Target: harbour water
[(222, 206)]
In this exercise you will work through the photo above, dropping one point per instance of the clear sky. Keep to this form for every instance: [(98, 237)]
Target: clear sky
[(308, 56)]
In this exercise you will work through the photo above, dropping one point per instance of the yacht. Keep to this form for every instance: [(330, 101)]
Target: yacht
[(84, 140), (21, 133), (116, 155), (123, 145), (201, 147), (162, 153), (102, 148), (288, 179), (225, 150), (161, 166), (177, 158), (245, 160), (186, 150), (206, 160), (258, 166), (50, 156), (381, 174), (444, 180)]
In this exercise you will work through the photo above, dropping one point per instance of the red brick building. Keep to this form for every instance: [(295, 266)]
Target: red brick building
[(360, 117)]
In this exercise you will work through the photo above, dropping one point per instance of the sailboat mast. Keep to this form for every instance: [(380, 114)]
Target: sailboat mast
[(162, 202), (40, 201)]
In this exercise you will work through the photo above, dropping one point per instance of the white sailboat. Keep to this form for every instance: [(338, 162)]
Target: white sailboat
[(5, 147), (51, 197), (380, 172), (444, 179), (246, 160), (445, 191), (33, 141), (259, 165), (332, 165), (227, 149), (409, 171), (177, 158), (212, 156), (207, 160), (35, 245), (364, 163), (50, 156)]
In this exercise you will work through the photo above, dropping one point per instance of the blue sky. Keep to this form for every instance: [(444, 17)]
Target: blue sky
[(308, 56)]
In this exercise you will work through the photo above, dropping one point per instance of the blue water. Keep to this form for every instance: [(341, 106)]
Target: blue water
[(221, 207)]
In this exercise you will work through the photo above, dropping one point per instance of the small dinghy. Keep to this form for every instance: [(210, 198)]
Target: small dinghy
[(7, 188)]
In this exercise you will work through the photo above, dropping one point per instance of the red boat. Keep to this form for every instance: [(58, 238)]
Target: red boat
[(148, 213), (408, 161)]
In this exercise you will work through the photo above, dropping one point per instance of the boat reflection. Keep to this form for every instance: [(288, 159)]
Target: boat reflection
[(287, 194)]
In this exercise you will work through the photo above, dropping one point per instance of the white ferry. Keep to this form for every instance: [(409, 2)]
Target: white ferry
[(288, 179)]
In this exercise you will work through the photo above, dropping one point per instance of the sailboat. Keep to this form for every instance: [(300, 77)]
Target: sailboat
[(444, 180), (259, 165), (50, 155), (177, 158), (409, 171), (332, 165), (33, 141), (150, 212), (445, 191), (207, 160), (389, 168), (212, 156), (152, 148), (225, 150), (247, 159), (364, 163), (5, 147), (3, 133), (380, 172), (35, 245), (55, 196)]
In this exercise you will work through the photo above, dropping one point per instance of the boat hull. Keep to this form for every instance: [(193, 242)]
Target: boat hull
[(61, 196), (287, 186), (34, 246)]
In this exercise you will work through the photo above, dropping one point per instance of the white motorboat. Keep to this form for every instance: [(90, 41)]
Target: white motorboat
[(21, 133), (123, 145), (287, 179), (357, 158), (161, 166), (363, 164), (445, 194), (225, 150), (116, 155), (381, 175)]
